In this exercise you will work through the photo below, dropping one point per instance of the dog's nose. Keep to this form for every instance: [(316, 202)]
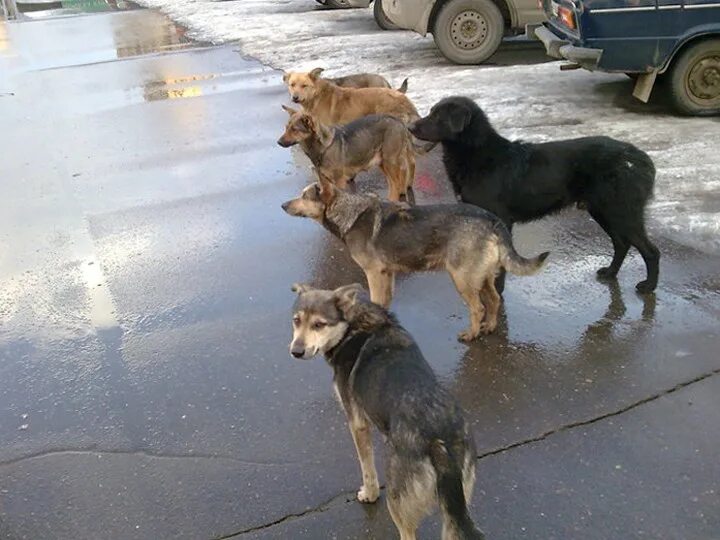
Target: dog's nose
[(297, 354), (296, 99), (412, 126), (285, 205)]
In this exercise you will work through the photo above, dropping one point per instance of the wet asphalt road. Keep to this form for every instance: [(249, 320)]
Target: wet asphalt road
[(145, 266)]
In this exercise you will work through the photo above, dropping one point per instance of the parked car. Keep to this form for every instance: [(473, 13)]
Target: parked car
[(380, 17), (465, 31), (643, 38)]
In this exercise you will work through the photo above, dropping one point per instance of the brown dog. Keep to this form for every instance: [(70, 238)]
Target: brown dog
[(339, 153), (331, 104), (356, 80)]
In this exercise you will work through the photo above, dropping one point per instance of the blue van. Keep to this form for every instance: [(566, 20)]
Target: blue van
[(643, 38)]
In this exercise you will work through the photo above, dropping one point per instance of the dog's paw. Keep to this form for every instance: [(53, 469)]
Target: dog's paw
[(487, 328), (368, 494), (645, 287), (466, 336), (606, 273)]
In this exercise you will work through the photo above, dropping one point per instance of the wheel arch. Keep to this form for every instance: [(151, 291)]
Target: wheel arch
[(502, 5), (698, 35)]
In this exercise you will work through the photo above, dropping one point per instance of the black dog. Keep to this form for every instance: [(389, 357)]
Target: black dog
[(522, 182)]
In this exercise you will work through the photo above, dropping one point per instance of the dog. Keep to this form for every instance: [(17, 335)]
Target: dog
[(339, 153), (522, 182), (356, 80), (386, 238), (331, 104), (381, 378)]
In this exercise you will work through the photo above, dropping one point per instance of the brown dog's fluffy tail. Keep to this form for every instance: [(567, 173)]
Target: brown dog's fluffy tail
[(511, 260), (457, 522), (516, 264), (403, 87), (422, 149)]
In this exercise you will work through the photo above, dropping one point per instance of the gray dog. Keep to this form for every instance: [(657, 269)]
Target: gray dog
[(385, 238), (381, 378)]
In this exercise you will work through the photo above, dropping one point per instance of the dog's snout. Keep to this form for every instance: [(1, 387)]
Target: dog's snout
[(285, 205), (412, 126), (297, 349), (296, 99)]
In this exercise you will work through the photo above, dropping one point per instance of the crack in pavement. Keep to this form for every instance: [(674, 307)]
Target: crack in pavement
[(590, 421), (322, 507), (146, 453)]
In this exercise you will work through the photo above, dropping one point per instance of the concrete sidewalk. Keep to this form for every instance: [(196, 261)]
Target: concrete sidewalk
[(145, 267)]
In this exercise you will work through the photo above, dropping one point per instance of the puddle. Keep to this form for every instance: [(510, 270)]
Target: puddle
[(36, 9), (52, 39)]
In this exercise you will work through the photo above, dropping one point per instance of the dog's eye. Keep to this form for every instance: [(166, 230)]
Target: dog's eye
[(319, 325), (304, 85), (296, 321)]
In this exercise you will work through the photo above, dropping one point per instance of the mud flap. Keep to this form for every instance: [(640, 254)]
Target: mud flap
[(644, 85)]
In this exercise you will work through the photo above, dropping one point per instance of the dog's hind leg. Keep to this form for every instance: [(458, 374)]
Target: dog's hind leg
[(620, 247), (651, 256), (381, 283), (471, 295), (395, 180), (409, 179), (411, 492), (362, 437), (491, 299)]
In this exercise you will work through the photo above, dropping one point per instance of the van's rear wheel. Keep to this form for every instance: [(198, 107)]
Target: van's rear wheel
[(695, 79), (468, 31), (380, 18)]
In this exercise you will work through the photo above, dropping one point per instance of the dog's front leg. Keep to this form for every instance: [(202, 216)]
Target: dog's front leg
[(381, 283), (362, 436)]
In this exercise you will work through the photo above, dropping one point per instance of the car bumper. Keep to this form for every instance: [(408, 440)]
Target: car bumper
[(557, 47), (409, 14)]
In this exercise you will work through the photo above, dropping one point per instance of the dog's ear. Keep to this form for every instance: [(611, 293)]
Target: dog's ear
[(346, 296), (315, 73), (301, 288), (309, 122), (458, 119), (327, 189), (289, 110), (286, 76)]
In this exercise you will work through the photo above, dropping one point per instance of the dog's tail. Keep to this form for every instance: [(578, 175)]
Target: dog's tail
[(403, 87), (422, 149), (515, 263), (457, 522)]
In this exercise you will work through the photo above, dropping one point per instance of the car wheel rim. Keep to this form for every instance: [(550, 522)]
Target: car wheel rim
[(468, 30), (703, 80)]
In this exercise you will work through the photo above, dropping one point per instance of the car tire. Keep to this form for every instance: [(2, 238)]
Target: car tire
[(380, 18), (695, 79), (468, 31)]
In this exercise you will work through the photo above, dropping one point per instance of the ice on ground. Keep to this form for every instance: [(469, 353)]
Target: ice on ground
[(532, 102)]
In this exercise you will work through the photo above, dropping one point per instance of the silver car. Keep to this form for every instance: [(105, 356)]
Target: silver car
[(465, 31)]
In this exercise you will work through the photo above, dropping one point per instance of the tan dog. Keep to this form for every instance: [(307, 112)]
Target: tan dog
[(341, 152), (331, 104)]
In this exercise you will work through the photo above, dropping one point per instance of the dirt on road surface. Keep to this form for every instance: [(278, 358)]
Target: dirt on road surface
[(145, 267)]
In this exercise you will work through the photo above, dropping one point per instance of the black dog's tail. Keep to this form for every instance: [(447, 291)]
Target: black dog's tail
[(403, 87), (512, 261), (456, 519)]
